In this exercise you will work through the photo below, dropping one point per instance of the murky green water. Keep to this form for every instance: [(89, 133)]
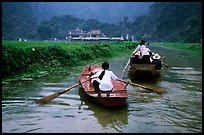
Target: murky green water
[(179, 110)]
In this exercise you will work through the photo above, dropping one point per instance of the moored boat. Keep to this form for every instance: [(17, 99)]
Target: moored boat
[(116, 97)]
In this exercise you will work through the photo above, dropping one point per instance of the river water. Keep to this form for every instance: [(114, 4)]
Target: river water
[(178, 110)]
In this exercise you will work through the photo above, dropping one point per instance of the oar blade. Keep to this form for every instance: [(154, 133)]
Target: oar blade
[(57, 94), (158, 91), (47, 98)]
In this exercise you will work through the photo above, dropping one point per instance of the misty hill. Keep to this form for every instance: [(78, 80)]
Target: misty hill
[(105, 12), (165, 21), (171, 21), (17, 21), (58, 27)]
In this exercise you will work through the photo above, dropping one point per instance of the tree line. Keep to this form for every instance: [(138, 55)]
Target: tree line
[(166, 21)]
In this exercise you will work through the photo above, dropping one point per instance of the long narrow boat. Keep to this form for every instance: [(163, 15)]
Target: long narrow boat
[(116, 97), (142, 71)]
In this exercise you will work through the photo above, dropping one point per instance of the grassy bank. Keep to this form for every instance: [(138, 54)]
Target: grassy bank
[(28, 60), (194, 48), (37, 59), (40, 58)]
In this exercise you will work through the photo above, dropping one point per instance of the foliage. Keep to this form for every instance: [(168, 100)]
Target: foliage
[(17, 21), (166, 21), (18, 57), (170, 21)]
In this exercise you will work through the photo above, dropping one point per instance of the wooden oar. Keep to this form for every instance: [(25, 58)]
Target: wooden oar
[(166, 65), (158, 91), (123, 72), (162, 61), (53, 96)]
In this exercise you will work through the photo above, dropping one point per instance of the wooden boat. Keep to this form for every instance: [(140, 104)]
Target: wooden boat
[(142, 71), (119, 113), (116, 97)]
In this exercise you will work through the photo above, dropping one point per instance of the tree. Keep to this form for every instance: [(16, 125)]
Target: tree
[(44, 32)]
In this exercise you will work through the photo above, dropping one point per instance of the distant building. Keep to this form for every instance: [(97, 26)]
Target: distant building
[(93, 35), (117, 39), (77, 33)]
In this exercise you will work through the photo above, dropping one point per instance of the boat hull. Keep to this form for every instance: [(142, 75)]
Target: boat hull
[(116, 97), (143, 72), (104, 100)]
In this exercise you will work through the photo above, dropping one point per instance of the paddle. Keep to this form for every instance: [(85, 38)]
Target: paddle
[(162, 60), (158, 91), (52, 96), (123, 72), (166, 65)]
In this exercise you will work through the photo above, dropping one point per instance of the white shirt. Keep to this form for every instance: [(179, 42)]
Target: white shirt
[(105, 83), (142, 49)]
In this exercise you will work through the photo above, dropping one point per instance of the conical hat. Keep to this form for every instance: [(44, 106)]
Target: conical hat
[(156, 56)]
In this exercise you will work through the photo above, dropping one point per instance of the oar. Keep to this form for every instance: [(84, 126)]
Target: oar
[(158, 91), (53, 96), (166, 65), (162, 60), (123, 72)]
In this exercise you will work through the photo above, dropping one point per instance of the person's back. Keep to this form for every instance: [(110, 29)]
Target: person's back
[(144, 50), (103, 82), (106, 83), (145, 58)]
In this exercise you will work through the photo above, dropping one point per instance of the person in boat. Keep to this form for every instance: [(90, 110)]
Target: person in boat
[(102, 79), (145, 55), (136, 59), (157, 61)]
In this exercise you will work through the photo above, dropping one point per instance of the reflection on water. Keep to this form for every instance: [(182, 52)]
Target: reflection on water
[(179, 110), (114, 117)]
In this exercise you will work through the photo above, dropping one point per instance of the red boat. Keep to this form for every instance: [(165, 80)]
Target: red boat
[(116, 97)]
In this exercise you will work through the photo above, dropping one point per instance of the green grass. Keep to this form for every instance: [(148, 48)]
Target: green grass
[(20, 62), (21, 57), (194, 48), (28, 60)]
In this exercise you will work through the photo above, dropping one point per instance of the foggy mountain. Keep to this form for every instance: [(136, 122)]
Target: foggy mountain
[(17, 21), (105, 12), (158, 21)]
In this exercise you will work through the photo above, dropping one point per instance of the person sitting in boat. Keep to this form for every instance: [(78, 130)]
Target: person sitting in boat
[(103, 81), (157, 61), (136, 59), (145, 55)]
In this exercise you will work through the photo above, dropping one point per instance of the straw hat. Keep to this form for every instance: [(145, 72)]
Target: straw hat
[(156, 56)]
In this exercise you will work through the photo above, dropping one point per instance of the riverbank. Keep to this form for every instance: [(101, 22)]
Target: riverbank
[(25, 61), (178, 110), (22, 57), (194, 48)]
